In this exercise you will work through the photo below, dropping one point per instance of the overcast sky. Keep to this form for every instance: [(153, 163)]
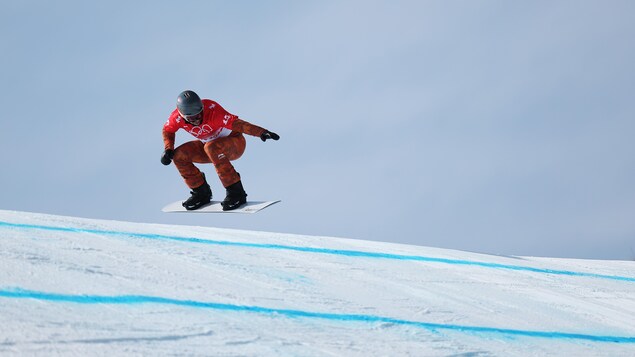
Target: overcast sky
[(503, 127)]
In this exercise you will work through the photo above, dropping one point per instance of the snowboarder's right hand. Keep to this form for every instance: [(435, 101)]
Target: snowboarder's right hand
[(166, 159)]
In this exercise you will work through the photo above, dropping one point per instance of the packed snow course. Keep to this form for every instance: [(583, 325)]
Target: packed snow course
[(93, 287)]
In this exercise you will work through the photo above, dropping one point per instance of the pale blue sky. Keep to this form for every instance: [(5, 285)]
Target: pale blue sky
[(503, 127)]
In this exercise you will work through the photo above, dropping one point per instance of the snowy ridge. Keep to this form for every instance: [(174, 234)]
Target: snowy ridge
[(71, 285), (349, 253)]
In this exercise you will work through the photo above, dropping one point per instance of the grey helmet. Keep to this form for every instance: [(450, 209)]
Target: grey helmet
[(189, 105)]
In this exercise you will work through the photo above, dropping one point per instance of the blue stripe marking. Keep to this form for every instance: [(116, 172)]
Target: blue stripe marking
[(142, 299), (348, 253)]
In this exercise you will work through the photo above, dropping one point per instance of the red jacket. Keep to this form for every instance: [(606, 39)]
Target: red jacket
[(217, 123)]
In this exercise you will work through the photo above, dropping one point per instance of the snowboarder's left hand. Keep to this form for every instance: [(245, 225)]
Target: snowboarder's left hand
[(269, 135), (167, 156)]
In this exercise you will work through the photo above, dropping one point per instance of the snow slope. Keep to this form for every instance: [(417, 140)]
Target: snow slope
[(72, 286)]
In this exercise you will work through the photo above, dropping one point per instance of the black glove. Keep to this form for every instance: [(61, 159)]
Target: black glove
[(269, 135), (167, 156)]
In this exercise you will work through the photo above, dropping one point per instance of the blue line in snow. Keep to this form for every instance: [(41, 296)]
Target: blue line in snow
[(142, 299), (348, 253)]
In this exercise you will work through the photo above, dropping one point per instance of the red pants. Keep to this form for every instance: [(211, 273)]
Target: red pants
[(219, 152)]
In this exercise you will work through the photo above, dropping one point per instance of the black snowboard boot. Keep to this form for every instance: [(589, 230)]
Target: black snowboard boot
[(236, 197), (201, 196)]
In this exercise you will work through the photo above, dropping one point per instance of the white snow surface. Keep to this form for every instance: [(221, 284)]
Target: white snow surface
[(74, 286)]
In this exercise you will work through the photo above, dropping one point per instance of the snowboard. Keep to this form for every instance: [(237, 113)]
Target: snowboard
[(215, 207)]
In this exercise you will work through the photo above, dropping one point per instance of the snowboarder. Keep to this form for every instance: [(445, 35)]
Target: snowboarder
[(220, 140)]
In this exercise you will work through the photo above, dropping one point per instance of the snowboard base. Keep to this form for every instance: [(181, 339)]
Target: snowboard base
[(215, 207)]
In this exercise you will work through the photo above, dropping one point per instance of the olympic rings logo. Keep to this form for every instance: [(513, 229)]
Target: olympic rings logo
[(201, 130)]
